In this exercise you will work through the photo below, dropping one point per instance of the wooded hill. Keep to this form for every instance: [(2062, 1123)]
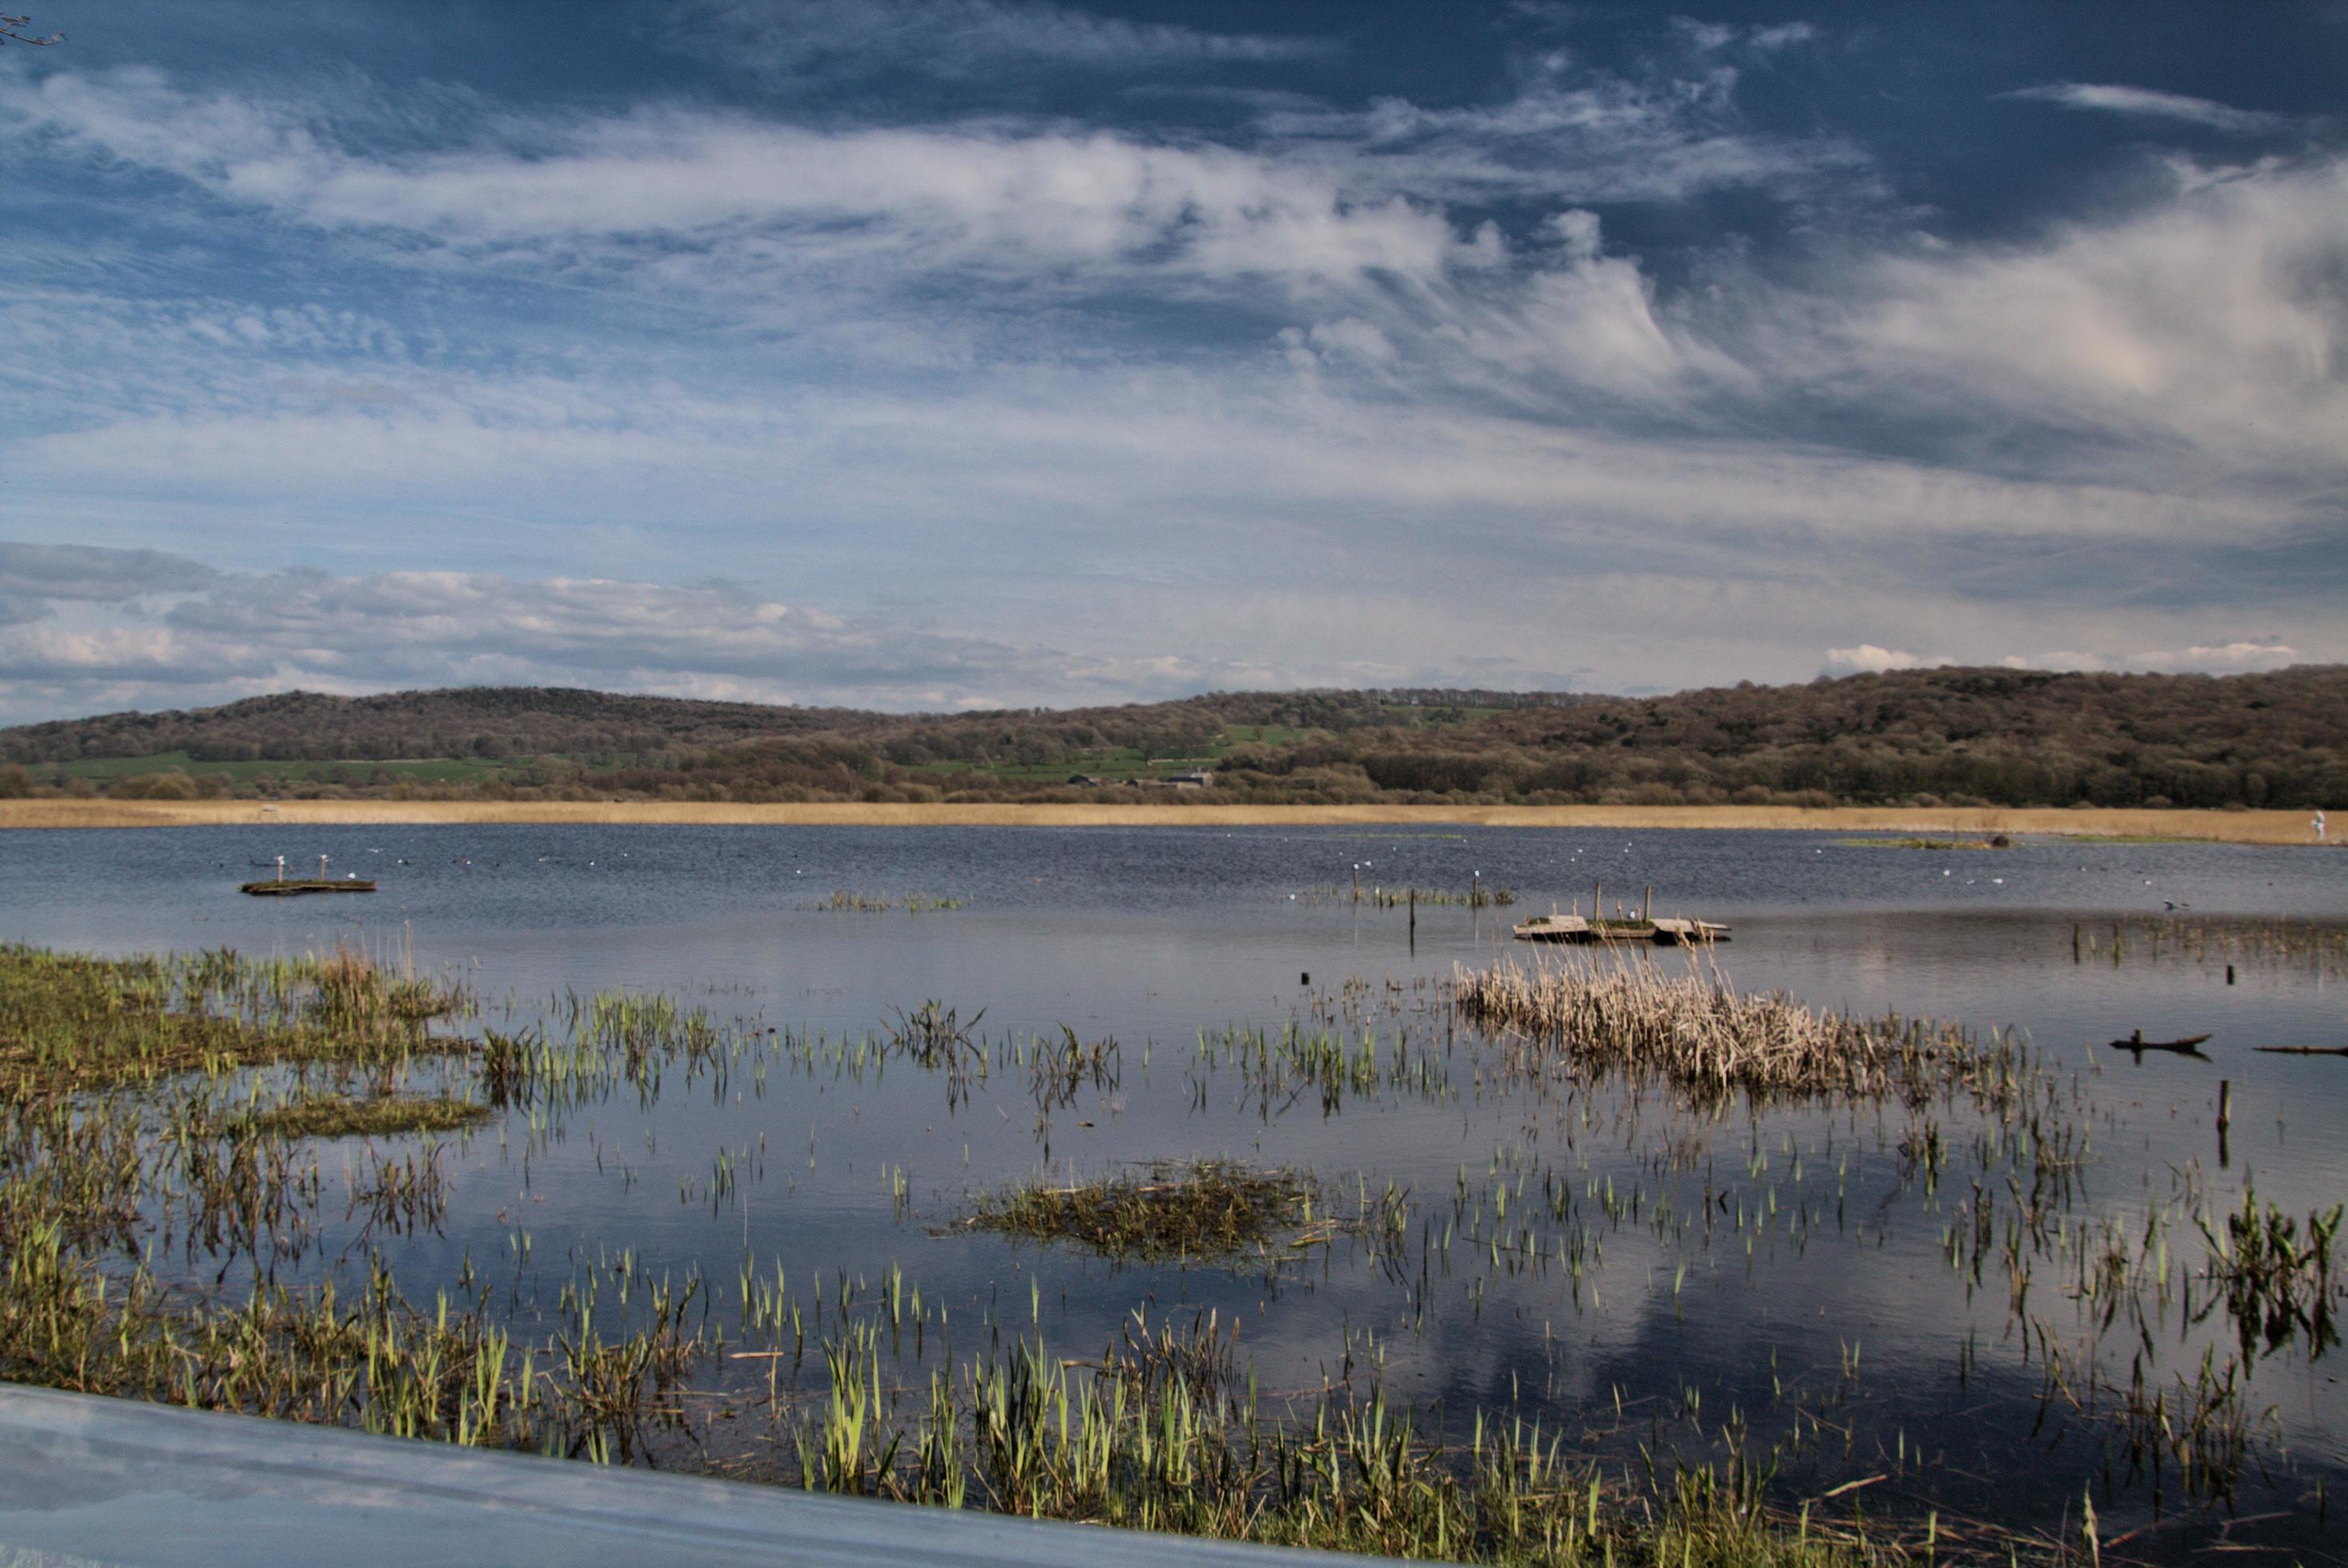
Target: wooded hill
[(1957, 737)]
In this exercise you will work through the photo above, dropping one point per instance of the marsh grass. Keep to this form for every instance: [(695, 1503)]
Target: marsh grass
[(72, 1024), (1200, 1210), (134, 1135), (2275, 943), (1162, 1434)]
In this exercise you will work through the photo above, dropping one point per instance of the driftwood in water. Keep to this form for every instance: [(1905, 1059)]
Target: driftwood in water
[(2187, 1047), (2305, 1050)]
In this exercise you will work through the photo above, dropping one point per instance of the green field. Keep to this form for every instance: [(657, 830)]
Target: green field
[(1114, 764)]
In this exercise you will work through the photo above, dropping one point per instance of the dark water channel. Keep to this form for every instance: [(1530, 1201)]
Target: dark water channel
[(1779, 1277)]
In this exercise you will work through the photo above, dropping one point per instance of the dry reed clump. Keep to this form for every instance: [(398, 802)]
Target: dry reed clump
[(1696, 1030)]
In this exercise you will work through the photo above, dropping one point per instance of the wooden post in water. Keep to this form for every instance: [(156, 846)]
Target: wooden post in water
[(1647, 905), (2225, 1117), (1414, 918)]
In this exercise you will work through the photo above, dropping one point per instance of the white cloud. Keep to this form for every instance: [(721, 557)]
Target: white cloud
[(1324, 612), (2229, 658), (631, 188), (2146, 102), (1784, 35), (247, 633), (1868, 659), (1715, 36), (2203, 335)]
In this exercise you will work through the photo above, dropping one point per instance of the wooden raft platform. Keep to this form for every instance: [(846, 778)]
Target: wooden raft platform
[(1663, 931)]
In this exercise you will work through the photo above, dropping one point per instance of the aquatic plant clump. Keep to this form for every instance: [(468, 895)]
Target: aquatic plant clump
[(1206, 1210), (2276, 1285), (1696, 1030)]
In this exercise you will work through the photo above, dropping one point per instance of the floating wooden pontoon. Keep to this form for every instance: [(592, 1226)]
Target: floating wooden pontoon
[(275, 886), (1663, 931), (281, 884)]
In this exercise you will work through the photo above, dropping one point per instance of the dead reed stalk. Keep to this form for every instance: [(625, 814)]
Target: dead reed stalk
[(1695, 1029)]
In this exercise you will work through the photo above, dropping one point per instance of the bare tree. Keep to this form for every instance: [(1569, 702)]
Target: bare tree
[(12, 31)]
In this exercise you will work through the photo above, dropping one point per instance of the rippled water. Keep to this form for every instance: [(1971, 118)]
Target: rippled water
[(1784, 1268)]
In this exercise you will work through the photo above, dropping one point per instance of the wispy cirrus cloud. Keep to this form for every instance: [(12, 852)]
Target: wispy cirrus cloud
[(633, 187), (1570, 133), (2106, 97)]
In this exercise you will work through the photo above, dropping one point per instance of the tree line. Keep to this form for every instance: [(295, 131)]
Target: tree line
[(1954, 737)]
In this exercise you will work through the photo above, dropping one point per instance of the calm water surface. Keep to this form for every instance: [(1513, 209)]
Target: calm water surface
[(1785, 1271)]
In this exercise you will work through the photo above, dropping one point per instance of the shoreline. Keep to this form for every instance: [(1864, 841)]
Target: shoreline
[(2218, 827)]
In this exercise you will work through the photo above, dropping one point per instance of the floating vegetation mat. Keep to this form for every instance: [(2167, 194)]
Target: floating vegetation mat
[(386, 1116), (1696, 1030), (843, 901), (1205, 1210)]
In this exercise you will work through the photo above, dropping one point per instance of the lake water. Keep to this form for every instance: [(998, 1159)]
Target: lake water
[(1656, 1271)]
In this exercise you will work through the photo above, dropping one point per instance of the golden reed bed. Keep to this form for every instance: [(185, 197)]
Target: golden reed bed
[(2227, 827)]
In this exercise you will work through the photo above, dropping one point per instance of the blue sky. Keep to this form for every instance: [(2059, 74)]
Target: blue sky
[(969, 353)]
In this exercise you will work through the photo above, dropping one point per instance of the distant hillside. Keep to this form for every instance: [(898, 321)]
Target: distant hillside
[(1920, 737), (472, 721)]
